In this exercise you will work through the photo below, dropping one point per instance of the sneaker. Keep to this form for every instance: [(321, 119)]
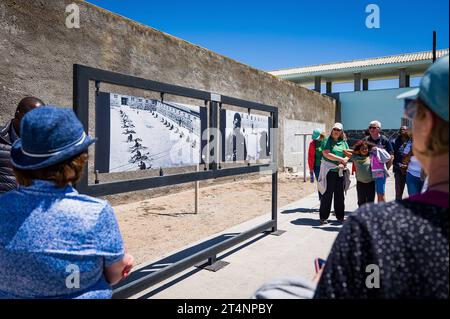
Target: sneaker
[(323, 222)]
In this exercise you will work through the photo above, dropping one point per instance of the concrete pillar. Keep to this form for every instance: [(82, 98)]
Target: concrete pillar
[(365, 84), (403, 78), (329, 87), (357, 81), (407, 79), (317, 84)]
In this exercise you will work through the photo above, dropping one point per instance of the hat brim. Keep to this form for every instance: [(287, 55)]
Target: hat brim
[(411, 94), (25, 162)]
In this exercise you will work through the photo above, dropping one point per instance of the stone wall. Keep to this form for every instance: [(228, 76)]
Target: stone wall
[(38, 52)]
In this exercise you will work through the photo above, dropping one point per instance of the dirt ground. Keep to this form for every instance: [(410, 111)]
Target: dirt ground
[(153, 228)]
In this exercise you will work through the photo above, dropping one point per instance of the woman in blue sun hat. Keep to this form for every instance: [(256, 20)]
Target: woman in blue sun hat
[(55, 242)]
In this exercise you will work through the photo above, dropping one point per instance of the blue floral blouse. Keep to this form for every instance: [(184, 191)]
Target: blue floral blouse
[(55, 243)]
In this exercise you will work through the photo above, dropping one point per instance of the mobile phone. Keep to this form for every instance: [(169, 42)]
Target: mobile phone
[(319, 263)]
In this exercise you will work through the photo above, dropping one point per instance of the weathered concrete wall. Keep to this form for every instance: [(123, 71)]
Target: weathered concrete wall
[(37, 52), (294, 150)]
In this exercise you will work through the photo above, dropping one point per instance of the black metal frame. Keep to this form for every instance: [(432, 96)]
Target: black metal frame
[(81, 77)]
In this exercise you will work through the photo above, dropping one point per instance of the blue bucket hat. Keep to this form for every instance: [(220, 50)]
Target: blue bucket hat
[(48, 136), (433, 88)]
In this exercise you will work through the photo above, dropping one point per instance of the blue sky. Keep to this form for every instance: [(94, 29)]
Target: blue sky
[(279, 34)]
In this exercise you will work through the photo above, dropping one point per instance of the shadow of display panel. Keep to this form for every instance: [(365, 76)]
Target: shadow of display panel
[(137, 133), (125, 124)]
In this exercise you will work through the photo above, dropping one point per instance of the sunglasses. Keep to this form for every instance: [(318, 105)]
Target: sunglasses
[(337, 130), (373, 127)]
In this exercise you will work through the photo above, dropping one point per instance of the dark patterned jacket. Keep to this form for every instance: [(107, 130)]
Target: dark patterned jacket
[(391, 250), (7, 179)]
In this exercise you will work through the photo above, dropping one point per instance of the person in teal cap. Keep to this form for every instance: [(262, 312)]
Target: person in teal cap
[(315, 155), (407, 239)]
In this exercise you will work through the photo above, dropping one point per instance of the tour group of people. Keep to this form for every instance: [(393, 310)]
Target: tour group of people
[(50, 235), (371, 158)]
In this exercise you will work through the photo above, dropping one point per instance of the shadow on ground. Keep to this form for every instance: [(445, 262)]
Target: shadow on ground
[(300, 210), (315, 223), (326, 228), (167, 261)]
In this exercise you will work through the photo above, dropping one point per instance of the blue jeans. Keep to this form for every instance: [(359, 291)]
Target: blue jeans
[(414, 184), (380, 185), (316, 174)]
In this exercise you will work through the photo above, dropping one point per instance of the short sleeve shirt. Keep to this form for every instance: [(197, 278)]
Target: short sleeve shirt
[(335, 147), (363, 170), (406, 242), (49, 233)]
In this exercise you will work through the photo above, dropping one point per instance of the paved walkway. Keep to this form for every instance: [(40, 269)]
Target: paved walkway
[(263, 257)]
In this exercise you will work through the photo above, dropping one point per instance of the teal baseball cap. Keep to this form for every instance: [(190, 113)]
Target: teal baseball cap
[(316, 134), (433, 89)]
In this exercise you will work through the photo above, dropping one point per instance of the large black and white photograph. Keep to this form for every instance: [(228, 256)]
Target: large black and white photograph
[(245, 137), (152, 134)]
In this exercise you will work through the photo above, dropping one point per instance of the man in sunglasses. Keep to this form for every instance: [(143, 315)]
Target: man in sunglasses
[(383, 142), (8, 135)]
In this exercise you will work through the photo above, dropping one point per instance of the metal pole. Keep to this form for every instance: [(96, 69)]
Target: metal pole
[(213, 140), (304, 158), (434, 46), (197, 184), (274, 148), (96, 181), (81, 109)]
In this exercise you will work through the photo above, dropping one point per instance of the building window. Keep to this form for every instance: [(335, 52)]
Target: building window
[(406, 122)]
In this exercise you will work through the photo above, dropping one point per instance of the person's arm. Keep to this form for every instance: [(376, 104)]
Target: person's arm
[(396, 163), (119, 270), (348, 152), (389, 163), (332, 157), (109, 244), (390, 150)]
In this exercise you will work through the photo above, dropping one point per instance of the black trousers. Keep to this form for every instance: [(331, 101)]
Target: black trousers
[(366, 192), (400, 181), (335, 186)]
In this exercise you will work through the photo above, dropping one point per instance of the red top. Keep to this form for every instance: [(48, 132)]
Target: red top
[(311, 155)]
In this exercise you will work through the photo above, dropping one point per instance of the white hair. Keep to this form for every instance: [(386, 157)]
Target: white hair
[(377, 123)]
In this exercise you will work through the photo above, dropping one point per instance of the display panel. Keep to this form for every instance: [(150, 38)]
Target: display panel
[(149, 134), (245, 137)]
